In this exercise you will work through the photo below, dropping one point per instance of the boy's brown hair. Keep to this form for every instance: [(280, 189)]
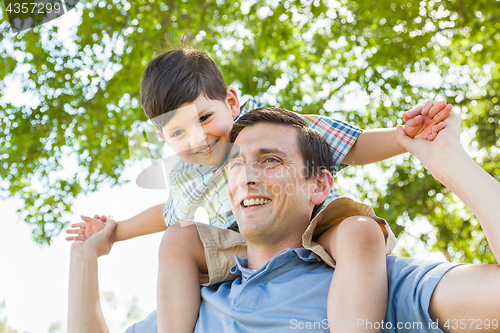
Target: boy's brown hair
[(177, 77)]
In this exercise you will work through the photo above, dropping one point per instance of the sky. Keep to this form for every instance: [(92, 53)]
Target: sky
[(34, 279)]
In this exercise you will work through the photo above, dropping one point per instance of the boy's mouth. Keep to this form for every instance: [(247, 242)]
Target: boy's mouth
[(209, 148)]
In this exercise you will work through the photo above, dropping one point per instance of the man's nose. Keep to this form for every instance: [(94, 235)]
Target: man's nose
[(249, 175)]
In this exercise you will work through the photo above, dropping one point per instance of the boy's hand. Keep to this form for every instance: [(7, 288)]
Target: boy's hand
[(84, 230), (425, 122)]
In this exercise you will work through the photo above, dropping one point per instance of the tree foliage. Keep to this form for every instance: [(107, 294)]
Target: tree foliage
[(363, 61)]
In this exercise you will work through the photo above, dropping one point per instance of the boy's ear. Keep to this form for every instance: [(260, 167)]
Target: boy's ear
[(324, 184), (160, 134), (233, 101)]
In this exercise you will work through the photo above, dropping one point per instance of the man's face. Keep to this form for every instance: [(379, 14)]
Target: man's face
[(199, 131), (270, 197)]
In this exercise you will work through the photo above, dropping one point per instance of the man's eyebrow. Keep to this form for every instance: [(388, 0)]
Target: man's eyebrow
[(261, 151), (264, 151), (235, 153)]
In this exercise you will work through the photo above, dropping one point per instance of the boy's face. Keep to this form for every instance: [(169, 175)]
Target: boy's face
[(199, 131)]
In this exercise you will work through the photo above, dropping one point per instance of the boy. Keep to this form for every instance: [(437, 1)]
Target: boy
[(184, 94)]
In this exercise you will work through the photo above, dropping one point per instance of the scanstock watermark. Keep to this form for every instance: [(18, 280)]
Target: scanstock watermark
[(24, 15)]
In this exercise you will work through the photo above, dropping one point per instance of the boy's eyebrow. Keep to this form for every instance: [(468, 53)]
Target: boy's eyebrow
[(199, 112)]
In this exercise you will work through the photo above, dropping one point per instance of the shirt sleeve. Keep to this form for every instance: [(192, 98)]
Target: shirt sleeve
[(339, 135)]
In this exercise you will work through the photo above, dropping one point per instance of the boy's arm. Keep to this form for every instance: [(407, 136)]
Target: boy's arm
[(379, 144), (148, 222), (372, 146)]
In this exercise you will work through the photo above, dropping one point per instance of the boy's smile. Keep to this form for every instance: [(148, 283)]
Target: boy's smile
[(199, 131)]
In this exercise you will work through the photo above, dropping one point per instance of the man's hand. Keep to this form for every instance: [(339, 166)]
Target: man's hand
[(85, 230), (430, 152), (426, 121), (101, 242)]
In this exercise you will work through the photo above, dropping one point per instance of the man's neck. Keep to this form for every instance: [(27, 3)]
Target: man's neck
[(259, 254)]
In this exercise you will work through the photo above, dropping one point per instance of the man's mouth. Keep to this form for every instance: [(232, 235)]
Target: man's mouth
[(255, 202)]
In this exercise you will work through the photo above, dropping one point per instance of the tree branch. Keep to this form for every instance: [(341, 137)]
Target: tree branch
[(464, 12)]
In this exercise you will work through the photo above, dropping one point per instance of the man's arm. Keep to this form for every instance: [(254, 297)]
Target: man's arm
[(84, 308), (450, 164), (467, 298)]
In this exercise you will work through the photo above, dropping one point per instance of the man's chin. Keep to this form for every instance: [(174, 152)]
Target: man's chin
[(253, 232)]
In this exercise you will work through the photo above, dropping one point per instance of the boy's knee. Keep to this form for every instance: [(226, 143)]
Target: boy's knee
[(362, 233), (179, 237)]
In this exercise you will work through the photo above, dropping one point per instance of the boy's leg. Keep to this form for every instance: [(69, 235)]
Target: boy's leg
[(181, 259), (467, 299), (358, 292)]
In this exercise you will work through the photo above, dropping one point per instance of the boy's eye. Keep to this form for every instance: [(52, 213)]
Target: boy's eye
[(205, 117), (176, 133)]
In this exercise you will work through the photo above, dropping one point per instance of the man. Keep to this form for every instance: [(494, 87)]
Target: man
[(283, 286)]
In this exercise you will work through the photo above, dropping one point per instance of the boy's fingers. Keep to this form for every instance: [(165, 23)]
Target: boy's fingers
[(90, 220), (79, 225), (412, 113), (427, 107), (79, 238), (75, 231), (415, 121), (443, 114), (438, 127), (436, 108)]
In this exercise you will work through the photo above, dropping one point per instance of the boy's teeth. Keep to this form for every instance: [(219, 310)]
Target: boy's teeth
[(254, 202), (205, 149)]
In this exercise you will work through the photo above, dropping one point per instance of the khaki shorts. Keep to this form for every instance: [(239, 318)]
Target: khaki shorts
[(222, 244)]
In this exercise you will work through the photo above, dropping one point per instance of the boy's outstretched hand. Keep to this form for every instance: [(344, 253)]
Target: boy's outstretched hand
[(425, 122), (84, 230)]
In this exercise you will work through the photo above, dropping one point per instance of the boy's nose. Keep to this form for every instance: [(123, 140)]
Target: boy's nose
[(198, 137)]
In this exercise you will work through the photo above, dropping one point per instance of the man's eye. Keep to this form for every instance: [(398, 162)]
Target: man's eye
[(176, 133), (205, 117), (271, 159), (235, 164)]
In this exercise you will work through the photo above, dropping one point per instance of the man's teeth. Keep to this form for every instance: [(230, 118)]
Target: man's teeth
[(253, 202)]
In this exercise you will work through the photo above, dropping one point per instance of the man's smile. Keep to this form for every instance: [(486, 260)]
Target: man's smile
[(251, 203)]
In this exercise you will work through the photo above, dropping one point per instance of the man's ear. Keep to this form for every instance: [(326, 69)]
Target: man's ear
[(324, 184), (160, 134), (233, 101)]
